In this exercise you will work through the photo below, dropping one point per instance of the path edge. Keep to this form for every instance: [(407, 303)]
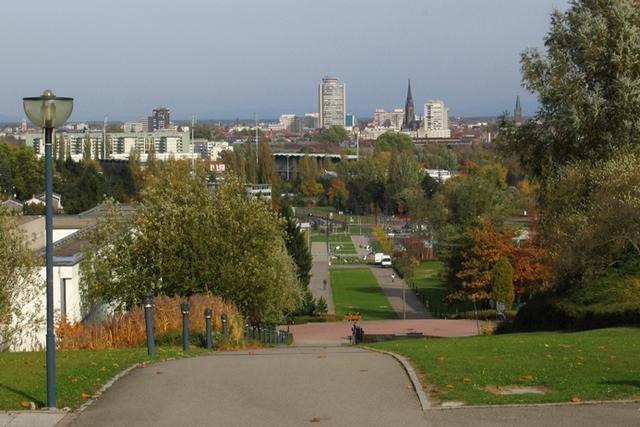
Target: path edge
[(417, 385)]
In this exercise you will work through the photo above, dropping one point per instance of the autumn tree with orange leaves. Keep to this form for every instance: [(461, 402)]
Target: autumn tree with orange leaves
[(472, 265)]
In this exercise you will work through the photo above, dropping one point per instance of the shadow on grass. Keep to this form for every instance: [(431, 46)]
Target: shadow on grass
[(29, 397)]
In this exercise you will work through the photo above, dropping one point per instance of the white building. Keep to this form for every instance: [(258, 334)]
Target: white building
[(388, 119), (332, 97), (211, 150), (436, 119), (91, 144)]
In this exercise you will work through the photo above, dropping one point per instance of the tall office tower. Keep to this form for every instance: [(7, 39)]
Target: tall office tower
[(333, 102), (517, 114), (160, 118), (436, 120)]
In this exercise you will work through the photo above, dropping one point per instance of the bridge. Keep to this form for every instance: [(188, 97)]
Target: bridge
[(284, 160)]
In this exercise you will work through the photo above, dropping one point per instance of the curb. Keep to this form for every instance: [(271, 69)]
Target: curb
[(538, 405), (417, 386), (106, 386)]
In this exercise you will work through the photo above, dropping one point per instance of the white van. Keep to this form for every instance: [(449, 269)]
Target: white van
[(386, 261), (377, 258)]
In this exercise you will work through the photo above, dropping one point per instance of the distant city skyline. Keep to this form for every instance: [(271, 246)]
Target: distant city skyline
[(231, 60)]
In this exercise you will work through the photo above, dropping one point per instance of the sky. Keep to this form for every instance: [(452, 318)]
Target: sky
[(223, 59)]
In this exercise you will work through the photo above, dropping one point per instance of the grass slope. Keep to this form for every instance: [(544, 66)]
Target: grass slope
[(430, 281), (78, 372), (357, 290), (594, 365)]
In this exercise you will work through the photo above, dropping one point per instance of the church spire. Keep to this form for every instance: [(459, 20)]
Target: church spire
[(517, 114), (409, 109)]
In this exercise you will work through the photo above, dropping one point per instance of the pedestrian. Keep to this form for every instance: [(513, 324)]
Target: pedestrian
[(324, 284), (393, 277)]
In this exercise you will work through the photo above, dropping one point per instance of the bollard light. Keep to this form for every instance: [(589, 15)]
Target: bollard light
[(147, 302), (49, 112), (208, 314), (184, 307), (225, 324)]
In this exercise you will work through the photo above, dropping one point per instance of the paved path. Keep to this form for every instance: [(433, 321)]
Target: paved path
[(336, 333), (360, 241), (333, 386), (320, 272), (31, 418), (601, 415), (393, 289)]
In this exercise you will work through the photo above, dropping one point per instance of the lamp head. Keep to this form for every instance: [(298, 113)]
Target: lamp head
[(48, 110)]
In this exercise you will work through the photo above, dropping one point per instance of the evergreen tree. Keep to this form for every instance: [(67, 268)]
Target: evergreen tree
[(502, 282), (297, 247)]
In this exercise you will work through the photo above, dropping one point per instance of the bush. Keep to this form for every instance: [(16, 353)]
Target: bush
[(174, 338), (551, 314), (128, 329)]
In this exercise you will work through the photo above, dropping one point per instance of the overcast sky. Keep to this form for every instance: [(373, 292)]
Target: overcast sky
[(230, 58)]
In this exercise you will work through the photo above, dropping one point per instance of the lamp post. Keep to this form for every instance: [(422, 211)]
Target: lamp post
[(49, 112)]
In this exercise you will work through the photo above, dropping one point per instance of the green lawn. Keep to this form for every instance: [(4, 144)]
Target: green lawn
[(594, 365), (345, 249), (78, 372), (430, 282), (333, 238), (357, 290)]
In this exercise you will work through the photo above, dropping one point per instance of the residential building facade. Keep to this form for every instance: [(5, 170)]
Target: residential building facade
[(436, 119), (332, 97)]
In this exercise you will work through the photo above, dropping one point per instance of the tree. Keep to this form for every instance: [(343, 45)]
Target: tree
[(21, 173), (389, 141), (184, 240), (588, 87), (267, 169), (338, 194), (297, 246), (334, 135), (502, 283), (592, 217), (471, 266), (20, 287)]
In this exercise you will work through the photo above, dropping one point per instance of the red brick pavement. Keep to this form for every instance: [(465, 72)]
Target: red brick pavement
[(340, 331)]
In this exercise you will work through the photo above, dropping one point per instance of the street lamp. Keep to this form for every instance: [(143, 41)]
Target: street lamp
[(49, 112)]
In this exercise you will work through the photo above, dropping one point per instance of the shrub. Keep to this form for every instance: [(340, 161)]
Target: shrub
[(502, 282), (128, 329)]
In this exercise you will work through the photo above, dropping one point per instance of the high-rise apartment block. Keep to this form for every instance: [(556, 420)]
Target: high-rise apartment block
[(436, 120), (160, 119), (333, 102)]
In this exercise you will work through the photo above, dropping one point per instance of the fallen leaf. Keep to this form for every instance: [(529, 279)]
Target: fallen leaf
[(449, 386), (546, 345), (435, 390), (314, 420), (466, 379), (25, 404), (440, 358), (527, 377), (601, 347), (576, 399), (159, 372), (86, 395), (103, 369)]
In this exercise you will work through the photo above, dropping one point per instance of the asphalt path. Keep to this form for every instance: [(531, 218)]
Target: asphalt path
[(331, 386)]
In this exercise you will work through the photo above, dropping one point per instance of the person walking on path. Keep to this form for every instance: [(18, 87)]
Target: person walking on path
[(324, 284)]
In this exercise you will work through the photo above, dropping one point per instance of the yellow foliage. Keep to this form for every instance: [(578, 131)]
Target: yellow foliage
[(128, 329)]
